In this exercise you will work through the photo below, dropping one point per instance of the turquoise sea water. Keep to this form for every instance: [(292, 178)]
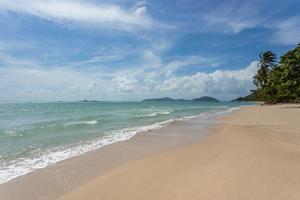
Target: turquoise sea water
[(34, 135)]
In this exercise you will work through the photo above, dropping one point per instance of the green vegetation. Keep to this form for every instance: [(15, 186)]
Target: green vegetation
[(278, 82), (251, 97)]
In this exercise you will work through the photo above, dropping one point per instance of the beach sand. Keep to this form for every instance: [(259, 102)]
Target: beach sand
[(254, 154), (62, 177)]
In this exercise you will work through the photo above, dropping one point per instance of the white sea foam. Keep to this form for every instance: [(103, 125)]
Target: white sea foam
[(16, 168), (9, 171), (216, 111), (92, 122), (156, 113)]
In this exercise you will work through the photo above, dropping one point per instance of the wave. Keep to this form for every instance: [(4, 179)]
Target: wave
[(216, 111), (92, 122), (21, 167), (16, 168), (156, 113)]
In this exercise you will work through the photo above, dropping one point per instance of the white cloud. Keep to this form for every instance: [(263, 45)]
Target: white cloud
[(124, 83), (140, 7), (191, 60), (234, 17), (152, 59), (34, 77), (34, 83), (155, 66), (8, 60), (288, 32), (222, 84), (103, 58), (81, 12)]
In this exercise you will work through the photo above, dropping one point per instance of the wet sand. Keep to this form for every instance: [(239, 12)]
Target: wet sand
[(253, 154), (60, 178)]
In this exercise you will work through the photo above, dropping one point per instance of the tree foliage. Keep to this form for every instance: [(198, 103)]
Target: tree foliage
[(266, 63), (279, 82)]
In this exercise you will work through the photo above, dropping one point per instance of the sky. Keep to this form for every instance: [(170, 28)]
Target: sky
[(128, 50)]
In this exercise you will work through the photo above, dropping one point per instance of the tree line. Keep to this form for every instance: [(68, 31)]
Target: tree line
[(278, 81)]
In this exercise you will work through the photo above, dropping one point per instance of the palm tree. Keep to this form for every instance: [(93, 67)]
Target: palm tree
[(266, 63)]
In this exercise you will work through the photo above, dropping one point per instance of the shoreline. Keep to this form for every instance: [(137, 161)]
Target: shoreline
[(253, 154), (46, 159), (69, 174)]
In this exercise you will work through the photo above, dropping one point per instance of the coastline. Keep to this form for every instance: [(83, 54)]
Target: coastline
[(253, 154), (69, 174)]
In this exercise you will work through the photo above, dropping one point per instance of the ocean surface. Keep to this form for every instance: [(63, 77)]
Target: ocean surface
[(35, 135)]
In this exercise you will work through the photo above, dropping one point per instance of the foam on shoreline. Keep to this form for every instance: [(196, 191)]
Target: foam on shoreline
[(9, 171)]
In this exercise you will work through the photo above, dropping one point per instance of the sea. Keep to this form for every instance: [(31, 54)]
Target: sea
[(35, 135)]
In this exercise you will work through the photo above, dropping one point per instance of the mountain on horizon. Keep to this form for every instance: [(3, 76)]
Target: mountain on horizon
[(168, 99)]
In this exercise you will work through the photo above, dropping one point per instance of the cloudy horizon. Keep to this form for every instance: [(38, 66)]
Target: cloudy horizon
[(121, 50)]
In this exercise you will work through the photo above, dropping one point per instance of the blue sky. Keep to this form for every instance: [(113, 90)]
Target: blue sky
[(130, 50)]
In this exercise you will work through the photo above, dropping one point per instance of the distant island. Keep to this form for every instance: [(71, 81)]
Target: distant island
[(92, 101), (206, 98), (89, 101), (164, 99), (168, 99)]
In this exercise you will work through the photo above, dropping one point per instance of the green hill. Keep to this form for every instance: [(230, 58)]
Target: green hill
[(206, 98)]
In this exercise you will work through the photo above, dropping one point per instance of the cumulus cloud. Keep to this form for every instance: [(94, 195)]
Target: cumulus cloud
[(220, 83), (81, 12), (71, 84), (224, 84), (124, 83)]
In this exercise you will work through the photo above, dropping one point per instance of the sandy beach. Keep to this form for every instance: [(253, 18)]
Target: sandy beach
[(67, 175), (149, 100), (254, 154)]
